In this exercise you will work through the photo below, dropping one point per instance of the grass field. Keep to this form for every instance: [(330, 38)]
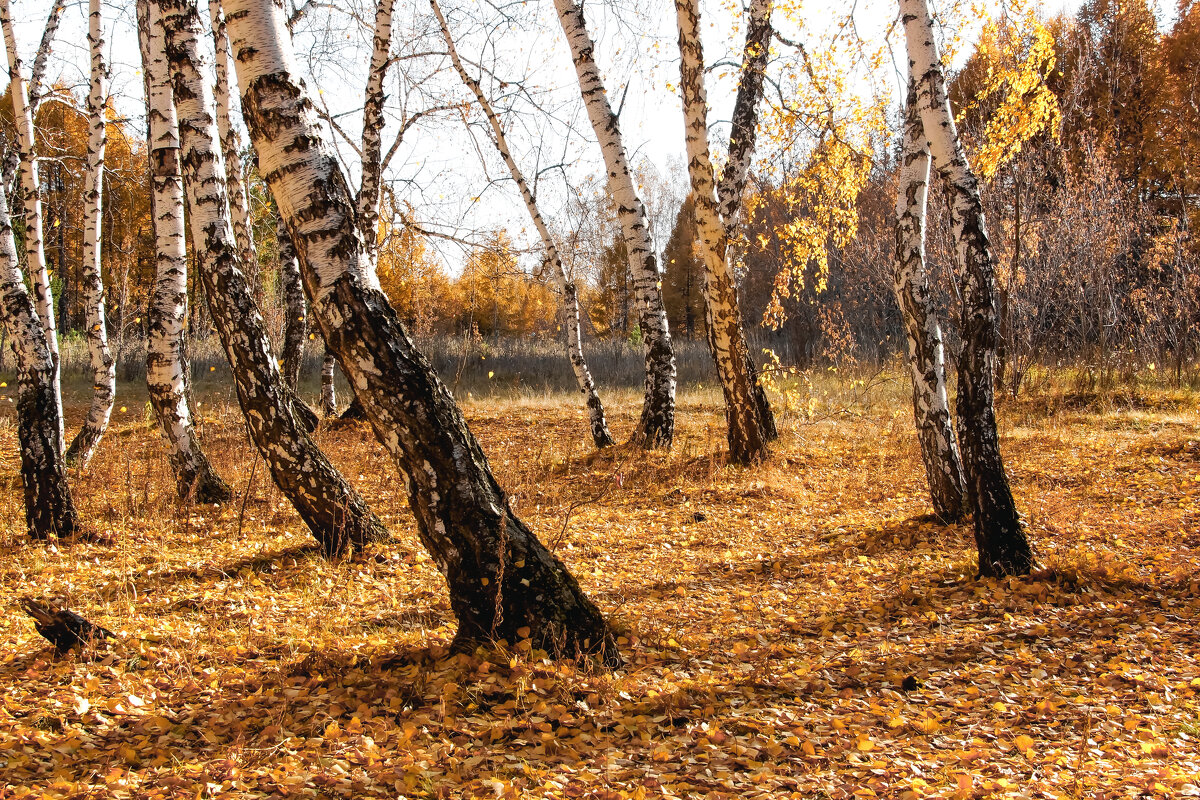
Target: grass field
[(795, 629)]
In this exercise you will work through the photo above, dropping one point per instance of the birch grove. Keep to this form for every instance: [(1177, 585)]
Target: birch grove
[(570, 295), (1003, 546), (104, 367), (31, 205), (657, 425), (501, 578), (166, 337), (337, 516)]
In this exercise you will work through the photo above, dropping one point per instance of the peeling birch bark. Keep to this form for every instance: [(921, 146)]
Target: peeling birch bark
[(231, 147), (332, 509), (104, 368), (926, 355), (722, 315), (295, 324), (367, 201), (503, 583), (49, 510), (657, 425), (166, 346), (1003, 546), (31, 205), (574, 337)]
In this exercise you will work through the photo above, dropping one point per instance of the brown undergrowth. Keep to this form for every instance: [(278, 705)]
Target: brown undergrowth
[(795, 629)]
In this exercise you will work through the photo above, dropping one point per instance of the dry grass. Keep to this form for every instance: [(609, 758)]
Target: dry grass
[(795, 628)]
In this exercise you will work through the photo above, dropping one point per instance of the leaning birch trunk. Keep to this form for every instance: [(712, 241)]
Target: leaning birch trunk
[(926, 359), (657, 425), (1003, 546), (331, 508), (31, 204), (295, 325), (166, 351), (583, 376), (722, 316), (328, 389), (503, 582), (743, 135), (367, 201), (42, 57), (231, 147), (49, 510), (104, 368)]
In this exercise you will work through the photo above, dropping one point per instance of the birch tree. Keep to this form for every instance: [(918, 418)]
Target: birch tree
[(1003, 546), (166, 314), (328, 389), (104, 368), (723, 319), (231, 149), (574, 337), (31, 204), (331, 508), (367, 201), (926, 359), (49, 510), (503, 582), (295, 324), (657, 425)]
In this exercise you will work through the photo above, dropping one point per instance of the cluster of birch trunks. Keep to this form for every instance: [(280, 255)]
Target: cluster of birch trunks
[(501, 578)]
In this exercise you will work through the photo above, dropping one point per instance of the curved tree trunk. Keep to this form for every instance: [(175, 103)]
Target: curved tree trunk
[(504, 584), (657, 425), (295, 325), (743, 135), (722, 316), (331, 508), (231, 148), (367, 201), (49, 510), (38, 73), (104, 368), (166, 314), (926, 358), (31, 204), (1003, 546), (583, 376)]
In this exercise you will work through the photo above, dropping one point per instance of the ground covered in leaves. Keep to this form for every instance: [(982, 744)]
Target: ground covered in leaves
[(794, 629)]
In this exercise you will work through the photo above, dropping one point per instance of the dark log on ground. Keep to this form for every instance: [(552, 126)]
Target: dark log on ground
[(64, 628), (354, 411)]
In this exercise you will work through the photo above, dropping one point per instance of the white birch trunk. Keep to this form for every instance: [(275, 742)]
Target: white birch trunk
[(999, 536), (231, 148), (583, 376), (367, 202), (166, 343), (104, 368), (926, 356), (334, 512), (49, 510), (38, 73), (501, 579), (328, 389), (726, 339), (657, 425), (31, 203), (295, 325)]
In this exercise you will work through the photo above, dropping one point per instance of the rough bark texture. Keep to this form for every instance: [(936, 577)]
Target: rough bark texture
[(104, 368), (49, 510), (743, 135), (574, 338), (926, 357), (331, 508), (295, 323), (231, 149), (166, 351), (657, 425), (31, 205), (367, 202), (38, 73), (723, 319), (1002, 543), (503, 582)]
